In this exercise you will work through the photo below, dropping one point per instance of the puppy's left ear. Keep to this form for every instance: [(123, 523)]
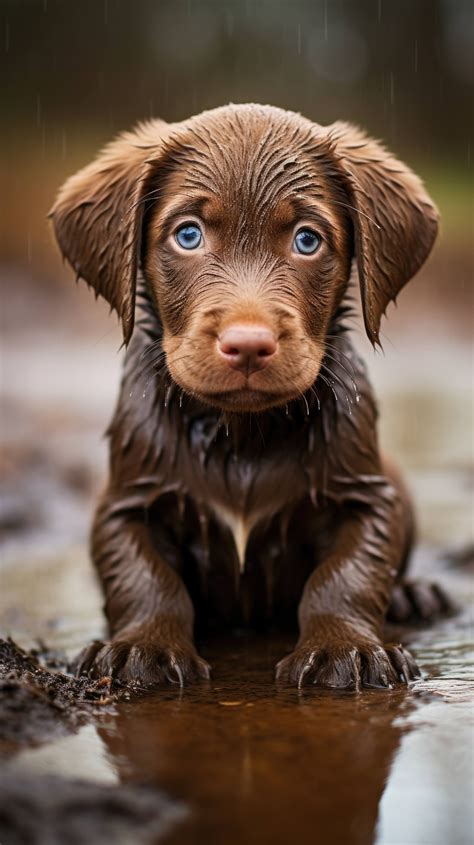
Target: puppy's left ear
[(395, 221)]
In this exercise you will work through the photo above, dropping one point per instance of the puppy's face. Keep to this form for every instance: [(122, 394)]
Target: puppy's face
[(246, 219), (248, 253)]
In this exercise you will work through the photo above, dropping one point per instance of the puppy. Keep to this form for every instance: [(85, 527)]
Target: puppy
[(246, 482)]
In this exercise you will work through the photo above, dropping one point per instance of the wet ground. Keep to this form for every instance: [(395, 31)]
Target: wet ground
[(238, 760)]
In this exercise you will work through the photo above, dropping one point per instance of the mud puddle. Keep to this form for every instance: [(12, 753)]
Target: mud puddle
[(240, 760)]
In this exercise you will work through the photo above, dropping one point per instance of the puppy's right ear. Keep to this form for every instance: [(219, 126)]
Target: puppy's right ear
[(97, 217)]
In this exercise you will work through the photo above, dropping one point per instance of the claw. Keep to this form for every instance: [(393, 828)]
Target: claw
[(141, 662), (177, 668), (306, 668), (348, 666), (206, 669)]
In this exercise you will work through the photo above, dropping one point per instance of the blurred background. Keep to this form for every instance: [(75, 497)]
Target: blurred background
[(74, 74)]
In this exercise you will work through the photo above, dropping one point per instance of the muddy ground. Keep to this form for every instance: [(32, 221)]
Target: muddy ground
[(237, 760)]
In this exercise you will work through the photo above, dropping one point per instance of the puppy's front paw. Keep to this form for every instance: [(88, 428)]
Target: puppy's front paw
[(340, 665), (146, 661)]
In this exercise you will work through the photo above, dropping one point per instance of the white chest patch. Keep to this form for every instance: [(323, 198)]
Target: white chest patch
[(240, 527)]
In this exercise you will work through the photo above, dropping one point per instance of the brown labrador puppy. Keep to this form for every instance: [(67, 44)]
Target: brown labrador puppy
[(246, 483)]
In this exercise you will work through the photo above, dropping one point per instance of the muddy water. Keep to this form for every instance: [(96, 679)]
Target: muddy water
[(258, 763), (250, 761)]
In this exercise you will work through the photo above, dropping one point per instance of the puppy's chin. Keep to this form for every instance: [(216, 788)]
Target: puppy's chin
[(232, 392), (244, 400)]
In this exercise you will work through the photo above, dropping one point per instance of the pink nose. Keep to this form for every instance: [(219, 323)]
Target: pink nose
[(247, 347)]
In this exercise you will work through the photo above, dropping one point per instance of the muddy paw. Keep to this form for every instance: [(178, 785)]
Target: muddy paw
[(417, 601), (146, 662), (347, 666)]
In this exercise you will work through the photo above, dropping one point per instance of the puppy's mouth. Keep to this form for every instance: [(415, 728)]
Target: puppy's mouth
[(245, 399), (223, 384)]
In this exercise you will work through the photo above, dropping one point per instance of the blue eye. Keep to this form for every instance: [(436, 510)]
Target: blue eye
[(306, 242), (188, 236)]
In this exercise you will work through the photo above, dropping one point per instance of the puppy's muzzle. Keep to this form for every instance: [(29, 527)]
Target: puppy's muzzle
[(247, 347)]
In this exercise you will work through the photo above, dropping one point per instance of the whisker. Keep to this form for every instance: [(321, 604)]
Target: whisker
[(328, 383), (331, 373), (161, 371), (334, 348), (153, 347), (316, 394), (353, 383), (353, 208)]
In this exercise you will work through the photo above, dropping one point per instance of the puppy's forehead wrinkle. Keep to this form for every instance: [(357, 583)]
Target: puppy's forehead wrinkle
[(250, 167), (242, 269)]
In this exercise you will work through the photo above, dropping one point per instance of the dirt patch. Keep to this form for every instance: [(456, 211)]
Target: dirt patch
[(38, 702)]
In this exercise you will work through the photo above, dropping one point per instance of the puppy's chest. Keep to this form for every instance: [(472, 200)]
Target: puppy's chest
[(242, 494)]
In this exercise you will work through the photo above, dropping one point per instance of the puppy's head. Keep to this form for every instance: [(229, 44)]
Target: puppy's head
[(245, 220)]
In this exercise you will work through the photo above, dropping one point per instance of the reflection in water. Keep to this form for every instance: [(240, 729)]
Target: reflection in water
[(256, 764), (80, 755), (428, 798)]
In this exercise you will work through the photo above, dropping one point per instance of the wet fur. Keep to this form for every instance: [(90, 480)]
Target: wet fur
[(296, 460)]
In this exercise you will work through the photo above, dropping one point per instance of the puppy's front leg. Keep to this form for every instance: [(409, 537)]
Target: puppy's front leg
[(149, 611), (344, 602)]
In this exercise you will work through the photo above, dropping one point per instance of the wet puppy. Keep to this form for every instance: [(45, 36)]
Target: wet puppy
[(246, 483)]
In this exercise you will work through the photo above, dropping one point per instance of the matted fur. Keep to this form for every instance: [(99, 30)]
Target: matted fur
[(238, 497)]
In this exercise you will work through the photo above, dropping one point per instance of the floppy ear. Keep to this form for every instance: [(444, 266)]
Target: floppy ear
[(395, 221), (98, 214)]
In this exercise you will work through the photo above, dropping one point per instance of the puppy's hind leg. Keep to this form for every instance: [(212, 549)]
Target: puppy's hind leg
[(412, 599)]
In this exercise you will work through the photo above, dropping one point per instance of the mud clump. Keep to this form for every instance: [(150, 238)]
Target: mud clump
[(37, 704)]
